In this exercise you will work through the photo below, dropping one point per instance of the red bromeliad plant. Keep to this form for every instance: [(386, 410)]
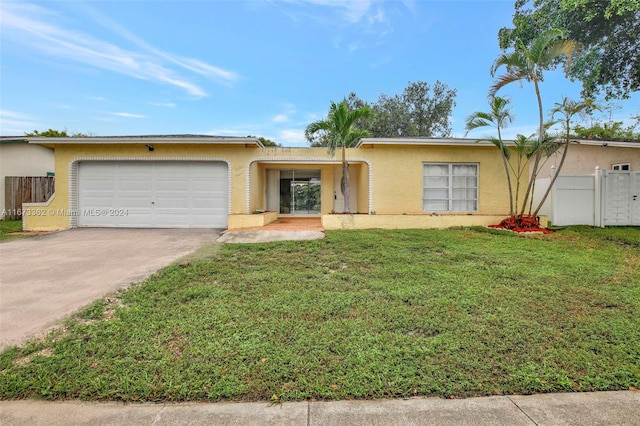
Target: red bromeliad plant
[(519, 223)]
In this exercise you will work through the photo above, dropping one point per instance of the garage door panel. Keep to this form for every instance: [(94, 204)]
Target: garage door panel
[(102, 185), (132, 202), (101, 202), (154, 194), (135, 184), (203, 203)]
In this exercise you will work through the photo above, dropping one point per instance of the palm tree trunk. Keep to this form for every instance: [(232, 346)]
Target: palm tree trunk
[(345, 187), (536, 164), (506, 170), (518, 177), (555, 175)]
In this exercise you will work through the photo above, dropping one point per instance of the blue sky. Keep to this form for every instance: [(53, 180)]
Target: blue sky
[(237, 68)]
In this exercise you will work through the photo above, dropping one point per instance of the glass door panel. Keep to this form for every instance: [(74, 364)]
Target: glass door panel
[(300, 192), (305, 197)]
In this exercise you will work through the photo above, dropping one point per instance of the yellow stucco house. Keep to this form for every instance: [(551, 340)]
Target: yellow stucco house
[(232, 182)]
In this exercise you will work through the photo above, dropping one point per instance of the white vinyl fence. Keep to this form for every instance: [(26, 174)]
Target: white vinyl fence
[(606, 198)]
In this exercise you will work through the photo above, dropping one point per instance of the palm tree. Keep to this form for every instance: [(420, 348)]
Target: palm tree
[(568, 108), (499, 117), (341, 133), (524, 148), (527, 64)]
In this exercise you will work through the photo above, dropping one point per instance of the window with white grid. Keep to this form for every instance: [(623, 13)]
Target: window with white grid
[(449, 187), (621, 166)]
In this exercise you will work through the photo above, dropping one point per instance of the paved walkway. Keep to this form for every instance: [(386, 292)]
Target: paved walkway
[(286, 224), (283, 229), (588, 409)]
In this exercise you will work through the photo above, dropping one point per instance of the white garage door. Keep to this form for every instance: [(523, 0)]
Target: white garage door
[(153, 194)]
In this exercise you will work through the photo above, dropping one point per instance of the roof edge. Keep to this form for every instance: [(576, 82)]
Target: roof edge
[(192, 139), (481, 142)]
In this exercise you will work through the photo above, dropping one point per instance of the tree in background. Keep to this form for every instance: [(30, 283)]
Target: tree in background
[(420, 110), (339, 130), (499, 116), (611, 130), (527, 63), (52, 133), (608, 31)]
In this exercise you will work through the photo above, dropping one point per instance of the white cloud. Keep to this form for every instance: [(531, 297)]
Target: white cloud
[(37, 28), (512, 132), (12, 114), (216, 73), (163, 104), (292, 136), (128, 115), (13, 123), (351, 11), (352, 47), (239, 131), (347, 12), (280, 118)]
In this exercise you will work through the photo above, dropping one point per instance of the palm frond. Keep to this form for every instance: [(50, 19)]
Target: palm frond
[(500, 111), (479, 119), (338, 127), (508, 78), (542, 43), (559, 48), (501, 146)]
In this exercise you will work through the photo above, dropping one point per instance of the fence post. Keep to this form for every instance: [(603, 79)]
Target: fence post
[(598, 197)]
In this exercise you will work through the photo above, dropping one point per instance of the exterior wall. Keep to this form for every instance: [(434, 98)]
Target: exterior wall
[(389, 178), (251, 220), (583, 159), (257, 180), (23, 159), (397, 176), (328, 179), (363, 189), (349, 221)]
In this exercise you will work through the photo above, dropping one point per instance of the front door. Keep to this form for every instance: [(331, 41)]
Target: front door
[(338, 197), (294, 192)]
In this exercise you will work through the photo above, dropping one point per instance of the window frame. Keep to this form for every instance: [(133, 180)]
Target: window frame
[(450, 187), (621, 167)]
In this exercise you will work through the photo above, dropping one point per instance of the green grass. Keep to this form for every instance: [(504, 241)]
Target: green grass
[(359, 314), (7, 227)]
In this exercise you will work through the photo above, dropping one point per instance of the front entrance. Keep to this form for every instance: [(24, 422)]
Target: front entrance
[(294, 192)]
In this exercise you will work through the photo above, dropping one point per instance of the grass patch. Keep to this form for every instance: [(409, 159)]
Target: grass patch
[(7, 227), (359, 314)]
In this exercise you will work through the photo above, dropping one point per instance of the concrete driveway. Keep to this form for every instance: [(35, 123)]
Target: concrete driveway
[(43, 279)]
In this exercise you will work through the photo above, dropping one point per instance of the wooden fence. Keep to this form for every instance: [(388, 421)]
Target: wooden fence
[(25, 189)]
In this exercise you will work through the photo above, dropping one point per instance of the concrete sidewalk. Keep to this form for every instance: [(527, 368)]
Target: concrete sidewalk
[(588, 408)]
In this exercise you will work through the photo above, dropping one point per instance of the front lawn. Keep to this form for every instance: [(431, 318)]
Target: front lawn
[(360, 314)]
